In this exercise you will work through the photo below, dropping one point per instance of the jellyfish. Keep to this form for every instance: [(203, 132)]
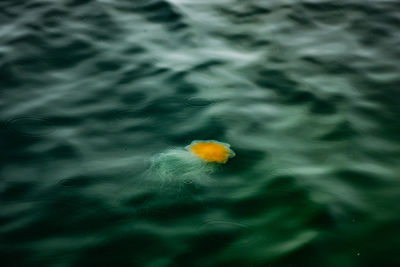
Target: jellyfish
[(175, 176), (211, 151), (193, 165)]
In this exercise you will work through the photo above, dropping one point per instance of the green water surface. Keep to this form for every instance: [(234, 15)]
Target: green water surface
[(94, 96)]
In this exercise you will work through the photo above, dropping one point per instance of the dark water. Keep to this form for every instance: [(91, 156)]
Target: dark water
[(306, 92)]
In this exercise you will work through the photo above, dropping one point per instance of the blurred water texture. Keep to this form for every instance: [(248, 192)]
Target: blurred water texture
[(306, 92)]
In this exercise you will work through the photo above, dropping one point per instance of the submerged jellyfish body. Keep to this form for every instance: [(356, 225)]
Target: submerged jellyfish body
[(178, 167), (211, 151)]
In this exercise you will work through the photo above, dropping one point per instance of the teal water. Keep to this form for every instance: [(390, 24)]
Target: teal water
[(98, 98)]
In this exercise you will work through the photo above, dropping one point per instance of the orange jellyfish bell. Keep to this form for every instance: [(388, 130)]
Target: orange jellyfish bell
[(211, 151)]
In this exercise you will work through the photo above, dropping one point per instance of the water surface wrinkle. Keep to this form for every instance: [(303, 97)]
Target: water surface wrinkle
[(98, 100)]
